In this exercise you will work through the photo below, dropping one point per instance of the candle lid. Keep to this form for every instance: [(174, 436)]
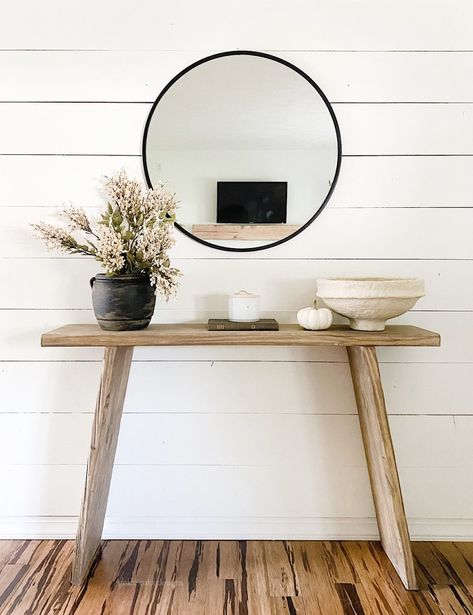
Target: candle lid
[(244, 294)]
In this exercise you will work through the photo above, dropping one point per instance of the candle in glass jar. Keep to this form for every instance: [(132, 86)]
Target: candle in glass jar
[(243, 307)]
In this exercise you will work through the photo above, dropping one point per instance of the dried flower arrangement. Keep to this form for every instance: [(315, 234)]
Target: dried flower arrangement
[(133, 235)]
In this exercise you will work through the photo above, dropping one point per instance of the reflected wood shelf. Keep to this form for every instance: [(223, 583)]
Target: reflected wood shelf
[(361, 349), (244, 232)]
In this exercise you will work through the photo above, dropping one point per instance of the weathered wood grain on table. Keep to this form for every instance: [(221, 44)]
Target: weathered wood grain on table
[(151, 577), (381, 461), (105, 432), (196, 334)]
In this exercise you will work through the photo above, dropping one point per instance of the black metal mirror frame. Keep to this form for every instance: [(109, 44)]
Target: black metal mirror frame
[(327, 104)]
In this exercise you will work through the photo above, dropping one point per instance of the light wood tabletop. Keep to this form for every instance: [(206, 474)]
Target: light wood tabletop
[(196, 334)]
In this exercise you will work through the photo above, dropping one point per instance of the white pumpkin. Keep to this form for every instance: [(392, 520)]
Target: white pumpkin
[(315, 319)]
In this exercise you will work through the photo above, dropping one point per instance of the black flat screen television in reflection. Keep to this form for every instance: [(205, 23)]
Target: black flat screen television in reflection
[(251, 202)]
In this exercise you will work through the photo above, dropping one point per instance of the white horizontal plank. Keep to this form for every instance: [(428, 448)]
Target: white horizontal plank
[(427, 493), (42, 490), (264, 439), (256, 387), (72, 128), (201, 491), (406, 129), (336, 233), (133, 76), (20, 334), (388, 76), (60, 179), (418, 181), (205, 284), (233, 528), (171, 439), (191, 491), (138, 75), (101, 128), (57, 386), (268, 24), (364, 182), (416, 388), (453, 328)]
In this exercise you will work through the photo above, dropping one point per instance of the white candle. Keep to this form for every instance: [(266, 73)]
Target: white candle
[(243, 307)]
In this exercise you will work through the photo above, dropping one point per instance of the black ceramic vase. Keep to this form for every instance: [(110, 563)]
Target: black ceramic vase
[(123, 302)]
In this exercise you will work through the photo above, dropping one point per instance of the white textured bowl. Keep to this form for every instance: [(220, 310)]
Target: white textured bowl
[(369, 302)]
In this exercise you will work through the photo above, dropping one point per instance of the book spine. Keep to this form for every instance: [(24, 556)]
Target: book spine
[(242, 327)]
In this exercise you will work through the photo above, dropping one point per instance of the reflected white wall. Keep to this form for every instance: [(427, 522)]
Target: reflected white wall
[(193, 175)]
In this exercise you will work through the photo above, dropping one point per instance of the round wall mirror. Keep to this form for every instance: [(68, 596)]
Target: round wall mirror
[(250, 145)]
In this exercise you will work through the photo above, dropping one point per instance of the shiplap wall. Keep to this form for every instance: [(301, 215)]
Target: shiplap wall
[(235, 442)]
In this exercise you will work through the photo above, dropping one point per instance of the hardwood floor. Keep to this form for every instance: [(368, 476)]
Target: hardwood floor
[(234, 578)]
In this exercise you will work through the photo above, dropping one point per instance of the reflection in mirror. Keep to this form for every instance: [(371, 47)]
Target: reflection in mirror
[(249, 144)]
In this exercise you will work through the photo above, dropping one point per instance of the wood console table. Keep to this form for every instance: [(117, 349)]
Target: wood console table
[(361, 347)]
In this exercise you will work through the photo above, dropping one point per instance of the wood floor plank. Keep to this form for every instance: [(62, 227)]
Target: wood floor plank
[(220, 596), (145, 561), (350, 598), (165, 580), (228, 559), (316, 585), (162, 577), (425, 603), (437, 564), (282, 575), (11, 577), (339, 565), (287, 605), (259, 601), (44, 589), (7, 548), (122, 600), (369, 605), (189, 595), (465, 552), (457, 567), (466, 548), (93, 597), (383, 587), (24, 551), (242, 576), (452, 600)]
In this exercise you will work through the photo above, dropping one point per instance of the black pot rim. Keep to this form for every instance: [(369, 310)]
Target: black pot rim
[(122, 278)]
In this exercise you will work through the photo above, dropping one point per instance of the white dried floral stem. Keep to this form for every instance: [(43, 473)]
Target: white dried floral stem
[(135, 234)]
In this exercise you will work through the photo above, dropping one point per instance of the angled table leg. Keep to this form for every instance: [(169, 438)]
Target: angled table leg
[(381, 462), (108, 411)]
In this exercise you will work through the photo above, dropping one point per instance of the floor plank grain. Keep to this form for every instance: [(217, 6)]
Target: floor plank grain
[(162, 577)]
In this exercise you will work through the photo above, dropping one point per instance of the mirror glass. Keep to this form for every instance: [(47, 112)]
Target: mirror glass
[(250, 145)]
